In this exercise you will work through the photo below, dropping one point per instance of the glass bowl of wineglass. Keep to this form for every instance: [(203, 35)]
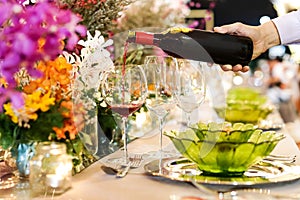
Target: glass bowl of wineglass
[(190, 88), (160, 73), (124, 90)]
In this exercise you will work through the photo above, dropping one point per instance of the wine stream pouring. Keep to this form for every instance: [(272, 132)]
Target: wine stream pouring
[(200, 45)]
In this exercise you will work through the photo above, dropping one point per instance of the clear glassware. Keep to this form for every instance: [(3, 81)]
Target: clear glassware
[(83, 97), (50, 169), (190, 88), (89, 133), (160, 73), (124, 90)]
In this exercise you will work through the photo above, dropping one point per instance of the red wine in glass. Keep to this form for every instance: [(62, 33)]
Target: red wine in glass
[(125, 110), (125, 90)]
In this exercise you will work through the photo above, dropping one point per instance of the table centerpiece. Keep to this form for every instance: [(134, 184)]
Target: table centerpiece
[(46, 84)]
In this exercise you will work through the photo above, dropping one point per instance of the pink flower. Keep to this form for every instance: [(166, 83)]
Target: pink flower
[(23, 28)]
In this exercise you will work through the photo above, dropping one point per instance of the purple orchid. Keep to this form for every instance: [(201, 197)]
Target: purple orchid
[(29, 34)]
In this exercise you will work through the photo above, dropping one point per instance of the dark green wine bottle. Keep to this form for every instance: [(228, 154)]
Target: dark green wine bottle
[(200, 45)]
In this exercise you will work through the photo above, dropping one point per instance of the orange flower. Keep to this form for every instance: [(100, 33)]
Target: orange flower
[(56, 78), (70, 126), (59, 133)]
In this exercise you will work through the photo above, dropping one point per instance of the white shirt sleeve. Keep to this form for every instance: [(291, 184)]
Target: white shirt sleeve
[(288, 27)]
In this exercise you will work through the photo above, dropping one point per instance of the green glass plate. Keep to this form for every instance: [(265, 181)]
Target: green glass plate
[(263, 173)]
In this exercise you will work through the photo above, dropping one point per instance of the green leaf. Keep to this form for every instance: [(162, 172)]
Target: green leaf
[(7, 131), (41, 128)]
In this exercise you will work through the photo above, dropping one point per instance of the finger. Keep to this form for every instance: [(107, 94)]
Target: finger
[(237, 68), (220, 29), (230, 28), (245, 68), (226, 67)]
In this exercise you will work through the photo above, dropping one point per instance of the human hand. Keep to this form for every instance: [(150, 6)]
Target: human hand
[(235, 68), (263, 37), (245, 30)]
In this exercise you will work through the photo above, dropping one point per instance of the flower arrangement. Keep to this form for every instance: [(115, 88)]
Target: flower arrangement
[(93, 60), (97, 15), (47, 92), (102, 16), (48, 113), (47, 104), (31, 33)]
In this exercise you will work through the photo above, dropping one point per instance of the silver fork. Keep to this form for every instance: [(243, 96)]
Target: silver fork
[(134, 162), (281, 158)]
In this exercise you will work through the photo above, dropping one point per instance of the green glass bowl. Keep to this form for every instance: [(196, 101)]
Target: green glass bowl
[(224, 149), (245, 105), (244, 111), (246, 94)]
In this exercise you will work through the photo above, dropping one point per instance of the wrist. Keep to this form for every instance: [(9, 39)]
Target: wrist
[(270, 34)]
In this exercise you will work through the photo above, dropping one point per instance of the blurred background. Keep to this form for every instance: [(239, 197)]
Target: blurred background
[(206, 14), (275, 73)]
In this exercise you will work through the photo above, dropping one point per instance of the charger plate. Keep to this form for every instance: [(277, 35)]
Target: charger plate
[(269, 125), (263, 173)]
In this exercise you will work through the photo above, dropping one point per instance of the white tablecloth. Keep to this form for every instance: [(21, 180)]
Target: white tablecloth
[(94, 184)]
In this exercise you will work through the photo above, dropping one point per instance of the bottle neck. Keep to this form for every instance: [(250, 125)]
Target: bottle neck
[(141, 38)]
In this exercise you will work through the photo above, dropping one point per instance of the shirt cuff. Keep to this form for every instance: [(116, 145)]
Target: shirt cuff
[(288, 27)]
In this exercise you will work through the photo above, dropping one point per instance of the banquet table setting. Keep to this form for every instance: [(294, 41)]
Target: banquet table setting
[(94, 183), (152, 100)]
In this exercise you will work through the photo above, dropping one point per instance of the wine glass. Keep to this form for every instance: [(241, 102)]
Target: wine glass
[(125, 90), (160, 73), (190, 89)]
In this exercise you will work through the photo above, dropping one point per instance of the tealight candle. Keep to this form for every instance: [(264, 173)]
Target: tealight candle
[(50, 169), (54, 180)]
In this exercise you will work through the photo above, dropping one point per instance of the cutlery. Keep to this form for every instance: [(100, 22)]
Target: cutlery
[(281, 158), (110, 170), (134, 162)]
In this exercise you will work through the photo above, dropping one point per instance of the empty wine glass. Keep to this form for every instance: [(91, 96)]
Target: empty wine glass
[(160, 73), (190, 89), (125, 90)]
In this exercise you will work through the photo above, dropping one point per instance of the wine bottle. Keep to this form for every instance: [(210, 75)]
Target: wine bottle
[(200, 45)]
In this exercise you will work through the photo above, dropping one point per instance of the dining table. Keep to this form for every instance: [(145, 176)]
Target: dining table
[(94, 184)]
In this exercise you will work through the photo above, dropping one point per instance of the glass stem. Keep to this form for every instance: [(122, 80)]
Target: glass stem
[(188, 116), (161, 123), (125, 139), (220, 195)]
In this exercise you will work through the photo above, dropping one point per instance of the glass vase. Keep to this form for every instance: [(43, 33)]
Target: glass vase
[(25, 152)]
